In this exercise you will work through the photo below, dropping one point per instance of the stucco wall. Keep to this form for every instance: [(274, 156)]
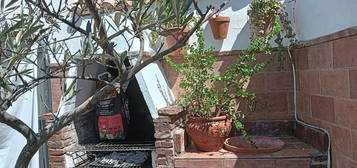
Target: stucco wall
[(316, 18), (311, 19)]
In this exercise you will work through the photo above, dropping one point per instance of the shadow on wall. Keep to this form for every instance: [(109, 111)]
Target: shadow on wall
[(272, 85), (238, 34)]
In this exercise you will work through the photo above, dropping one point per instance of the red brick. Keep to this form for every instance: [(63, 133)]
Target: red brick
[(163, 135), (161, 161), (61, 136), (354, 144), (320, 56), (272, 102), (164, 144), (341, 161), (249, 163), (57, 164), (344, 52), (353, 83), (293, 163), (341, 141), (279, 81), (162, 119), (303, 103), (335, 83), (56, 158), (199, 163), (60, 144), (161, 127), (323, 108), (179, 141), (310, 82), (171, 110), (353, 164), (301, 57), (270, 116), (291, 106), (257, 83), (274, 65), (346, 112), (164, 151), (56, 152)]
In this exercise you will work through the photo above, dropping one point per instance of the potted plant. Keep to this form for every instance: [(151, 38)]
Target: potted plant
[(175, 28), (219, 26), (213, 101), (263, 14)]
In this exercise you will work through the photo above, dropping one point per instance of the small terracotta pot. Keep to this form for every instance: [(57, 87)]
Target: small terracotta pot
[(219, 26), (174, 35), (209, 134)]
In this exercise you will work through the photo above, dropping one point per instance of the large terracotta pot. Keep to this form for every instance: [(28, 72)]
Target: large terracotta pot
[(174, 35), (209, 134), (219, 26)]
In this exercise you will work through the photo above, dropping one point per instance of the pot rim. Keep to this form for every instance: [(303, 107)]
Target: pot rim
[(174, 30), (220, 118), (221, 19)]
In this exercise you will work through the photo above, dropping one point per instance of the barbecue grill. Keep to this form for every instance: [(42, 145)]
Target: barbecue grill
[(87, 155)]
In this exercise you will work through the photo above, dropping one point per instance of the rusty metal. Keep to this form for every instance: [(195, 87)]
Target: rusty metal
[(103, 147), (84, 157)]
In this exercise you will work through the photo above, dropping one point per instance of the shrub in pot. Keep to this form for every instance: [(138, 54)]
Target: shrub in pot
[(219, 26), (212, 100), (263, 14), (269, 20)]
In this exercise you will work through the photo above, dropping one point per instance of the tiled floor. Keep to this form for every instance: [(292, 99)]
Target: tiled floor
[(295, 154)]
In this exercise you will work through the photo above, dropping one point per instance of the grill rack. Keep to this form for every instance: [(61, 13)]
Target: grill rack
[(123, 165), (102, 147), (83, 155)]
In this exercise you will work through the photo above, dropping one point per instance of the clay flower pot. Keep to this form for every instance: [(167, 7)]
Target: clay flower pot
[(172, 36), (263, 144), (219, 26), (209, 134), (265, 30)]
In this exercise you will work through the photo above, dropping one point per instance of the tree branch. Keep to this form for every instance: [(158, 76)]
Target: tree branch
[(18, 125), (84, 108)]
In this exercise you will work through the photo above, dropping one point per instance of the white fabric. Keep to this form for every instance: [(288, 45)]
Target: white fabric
[(11, 141)]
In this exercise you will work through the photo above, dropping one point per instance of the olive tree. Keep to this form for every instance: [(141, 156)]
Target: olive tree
[(29, 25)]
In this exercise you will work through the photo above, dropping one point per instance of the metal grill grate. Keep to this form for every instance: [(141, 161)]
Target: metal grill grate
[(102, 147), (96, 164), (83, 155)]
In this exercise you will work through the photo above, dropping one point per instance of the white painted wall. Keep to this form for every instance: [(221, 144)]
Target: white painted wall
[(311, 19), (239, 32), (316, 18)]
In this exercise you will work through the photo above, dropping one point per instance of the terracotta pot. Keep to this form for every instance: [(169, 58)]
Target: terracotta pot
[(209, 134), (174, 35), (263, 144), (268, 27), (219, 26)]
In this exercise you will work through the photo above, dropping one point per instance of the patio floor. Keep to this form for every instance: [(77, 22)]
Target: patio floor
[(295, 154)]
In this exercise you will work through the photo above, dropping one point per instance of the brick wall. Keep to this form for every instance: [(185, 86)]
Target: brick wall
[(170, 136), (327, 91), (273, 85), (66, 138)]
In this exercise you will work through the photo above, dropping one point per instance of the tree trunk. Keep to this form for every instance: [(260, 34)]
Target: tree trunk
[(26, 154)]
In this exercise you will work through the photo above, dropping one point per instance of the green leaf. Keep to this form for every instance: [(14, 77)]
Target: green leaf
[(30, 31), (14, 27), (70, 88)]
